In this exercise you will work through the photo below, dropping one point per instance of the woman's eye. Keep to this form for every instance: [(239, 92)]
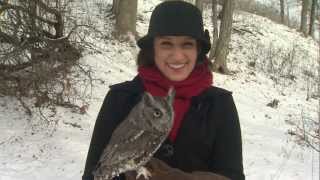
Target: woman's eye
[(188, 45), (166, 44), (157, 113)]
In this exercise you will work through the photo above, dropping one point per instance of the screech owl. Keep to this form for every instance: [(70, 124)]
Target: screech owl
[(137, 137)]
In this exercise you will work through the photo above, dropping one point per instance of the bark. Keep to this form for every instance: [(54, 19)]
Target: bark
[(222, 48), (318, 88), (115, 7), (312, 17), (304, 17), (199, 4), (288, 14), (127, 17), (319, 94), (215, 34), (282, 11)]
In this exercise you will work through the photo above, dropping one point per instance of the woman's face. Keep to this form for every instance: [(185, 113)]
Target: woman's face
[(175, 56)]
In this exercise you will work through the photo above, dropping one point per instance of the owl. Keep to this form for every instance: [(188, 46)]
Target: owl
[(137, 137)]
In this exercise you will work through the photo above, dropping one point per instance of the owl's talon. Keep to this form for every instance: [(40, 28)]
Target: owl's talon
[(143, 171)]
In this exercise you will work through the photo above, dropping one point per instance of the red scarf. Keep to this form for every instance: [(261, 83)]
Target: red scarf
[(156, 84)]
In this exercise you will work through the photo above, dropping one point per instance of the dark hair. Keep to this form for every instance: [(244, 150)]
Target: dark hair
[(146, 56)]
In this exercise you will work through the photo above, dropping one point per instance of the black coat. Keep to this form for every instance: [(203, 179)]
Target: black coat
[(209, 138)]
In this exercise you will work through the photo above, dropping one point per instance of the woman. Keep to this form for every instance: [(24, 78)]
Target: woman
[(205, 141)]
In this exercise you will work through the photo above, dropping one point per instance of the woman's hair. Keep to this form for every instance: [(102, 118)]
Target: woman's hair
[(146, 56)]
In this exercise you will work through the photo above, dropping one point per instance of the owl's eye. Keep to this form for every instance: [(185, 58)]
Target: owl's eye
[(157, 113)]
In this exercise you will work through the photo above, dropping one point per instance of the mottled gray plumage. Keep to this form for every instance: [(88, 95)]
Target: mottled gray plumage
[(137, 138)]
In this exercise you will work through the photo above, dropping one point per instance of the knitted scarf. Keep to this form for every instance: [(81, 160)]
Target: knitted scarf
[(157, 85)]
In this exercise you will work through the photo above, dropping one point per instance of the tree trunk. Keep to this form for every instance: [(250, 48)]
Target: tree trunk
[(33, 14), (312, 17), (288, 14), (282, 11), (127, 17), (115, 7), (319, 92), (199, 4), (222, 48), (33, 26), (215, 34), (304, 17)]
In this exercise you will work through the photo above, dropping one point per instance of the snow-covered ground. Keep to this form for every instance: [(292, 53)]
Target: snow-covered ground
[(293, 8), (31, 149)]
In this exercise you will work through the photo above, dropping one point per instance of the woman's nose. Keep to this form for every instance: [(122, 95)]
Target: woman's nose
[(177, 54)]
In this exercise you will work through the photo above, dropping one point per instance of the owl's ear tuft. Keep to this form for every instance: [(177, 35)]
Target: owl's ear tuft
[(147, 97)]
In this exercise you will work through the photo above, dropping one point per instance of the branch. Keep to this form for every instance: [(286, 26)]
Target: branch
[(14, 68), (82, 25), (308, 143), (57, 25), (20, 8), (6, 38), (46, 7)]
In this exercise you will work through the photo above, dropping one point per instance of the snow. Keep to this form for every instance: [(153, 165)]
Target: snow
[(32, 149)]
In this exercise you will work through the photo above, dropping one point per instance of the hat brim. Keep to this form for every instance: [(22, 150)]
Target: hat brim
[(147, 42)]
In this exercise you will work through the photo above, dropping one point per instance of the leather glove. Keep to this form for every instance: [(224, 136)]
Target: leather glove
[(161, 171)]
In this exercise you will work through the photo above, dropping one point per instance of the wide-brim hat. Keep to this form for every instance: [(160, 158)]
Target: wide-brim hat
[(176, 18)]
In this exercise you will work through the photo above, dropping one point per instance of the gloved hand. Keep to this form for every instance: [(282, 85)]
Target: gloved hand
[(161, 171)]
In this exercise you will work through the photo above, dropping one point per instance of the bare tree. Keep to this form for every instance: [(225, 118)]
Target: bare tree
[(319, 93), (282, 11), (115, 7), (34, 50), (199, 4), (304, 17), (312, 17), (127, 17), (222, 48), (215, 34), (288, 13)]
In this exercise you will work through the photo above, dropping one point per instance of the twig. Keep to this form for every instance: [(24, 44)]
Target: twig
[(27, 109)]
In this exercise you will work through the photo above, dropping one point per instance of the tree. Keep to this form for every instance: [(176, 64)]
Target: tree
[(288, 13), (199, 4), (282, 11), (215, 27), (304, 17), (35, 51), (115, 7), (126, 17), (312, 17), (319, 92), (222, 48)]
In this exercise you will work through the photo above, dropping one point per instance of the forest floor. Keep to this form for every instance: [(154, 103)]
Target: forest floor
[(273, 84)]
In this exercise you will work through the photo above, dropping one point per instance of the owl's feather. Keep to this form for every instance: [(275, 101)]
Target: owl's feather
[(137, 138)]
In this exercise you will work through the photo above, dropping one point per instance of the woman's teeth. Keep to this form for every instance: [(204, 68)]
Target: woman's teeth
[(176, 66)]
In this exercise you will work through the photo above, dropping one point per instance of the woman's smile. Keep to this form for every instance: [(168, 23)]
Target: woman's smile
[(175, 56)]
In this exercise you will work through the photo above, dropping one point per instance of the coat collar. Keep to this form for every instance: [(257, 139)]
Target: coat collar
[(134, 86)]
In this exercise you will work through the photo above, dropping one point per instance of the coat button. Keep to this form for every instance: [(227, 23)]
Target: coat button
[(167, 150)]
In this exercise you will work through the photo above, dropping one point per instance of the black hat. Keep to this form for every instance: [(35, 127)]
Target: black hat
[(176, 18)]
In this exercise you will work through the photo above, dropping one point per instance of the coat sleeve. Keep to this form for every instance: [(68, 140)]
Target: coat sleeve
[(110, 115), (162, 171), (227, 151)]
